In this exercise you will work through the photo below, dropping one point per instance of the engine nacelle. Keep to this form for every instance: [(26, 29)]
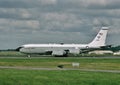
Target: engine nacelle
[(59, 53), (74, 51)]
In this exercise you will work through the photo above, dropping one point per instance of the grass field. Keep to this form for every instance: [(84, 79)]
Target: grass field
[(30, 77), (85, 63), (58, 77)]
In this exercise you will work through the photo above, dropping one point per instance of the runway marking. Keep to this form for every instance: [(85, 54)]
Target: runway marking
[(35, 68)]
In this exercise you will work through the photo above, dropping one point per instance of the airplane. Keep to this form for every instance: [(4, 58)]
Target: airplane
[(64, 49)]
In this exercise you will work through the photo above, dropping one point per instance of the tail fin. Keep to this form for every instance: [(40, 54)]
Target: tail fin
[(100, 39)]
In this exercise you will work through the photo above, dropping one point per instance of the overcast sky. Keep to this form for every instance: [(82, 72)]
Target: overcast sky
[(57, 21)]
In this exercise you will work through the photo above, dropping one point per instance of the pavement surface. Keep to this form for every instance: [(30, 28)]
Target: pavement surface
[(106, 57), (35, 68)]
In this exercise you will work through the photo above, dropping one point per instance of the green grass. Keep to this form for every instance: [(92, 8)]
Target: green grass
[(30, 77), (11, 54), (60, 77), (85, 63)]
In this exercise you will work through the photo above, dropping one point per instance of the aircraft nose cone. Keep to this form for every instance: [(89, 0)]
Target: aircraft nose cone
[(18, 49)]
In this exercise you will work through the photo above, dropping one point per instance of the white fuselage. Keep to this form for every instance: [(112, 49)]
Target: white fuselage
[(62, 49), (41, 48)]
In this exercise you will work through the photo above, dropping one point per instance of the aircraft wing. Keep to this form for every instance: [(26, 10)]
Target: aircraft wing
[(88, 50)]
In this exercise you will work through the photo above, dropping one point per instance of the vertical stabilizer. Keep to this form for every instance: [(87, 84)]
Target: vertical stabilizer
[(100, 39)]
